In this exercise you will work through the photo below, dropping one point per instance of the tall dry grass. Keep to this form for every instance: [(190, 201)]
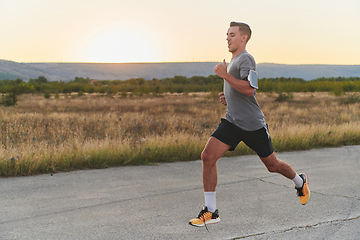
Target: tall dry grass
[(49, 135)]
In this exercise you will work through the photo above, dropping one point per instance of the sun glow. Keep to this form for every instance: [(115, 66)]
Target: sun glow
[(122, 43)]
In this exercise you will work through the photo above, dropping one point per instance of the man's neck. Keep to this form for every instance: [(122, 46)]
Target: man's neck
[(238, 51)]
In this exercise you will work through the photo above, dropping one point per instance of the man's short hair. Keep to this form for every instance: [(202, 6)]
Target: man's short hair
[(243, 28)]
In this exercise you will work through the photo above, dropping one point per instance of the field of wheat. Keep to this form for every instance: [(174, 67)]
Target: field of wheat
[(92, 131)]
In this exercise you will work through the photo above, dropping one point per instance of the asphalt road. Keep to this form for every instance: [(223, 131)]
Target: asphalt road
[(156, 202)]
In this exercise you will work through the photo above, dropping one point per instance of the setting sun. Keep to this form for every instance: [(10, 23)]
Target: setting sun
[(121, 43), (113, 31)]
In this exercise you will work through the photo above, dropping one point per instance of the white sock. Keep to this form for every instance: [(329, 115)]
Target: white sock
[(298, 181), (210, 201)]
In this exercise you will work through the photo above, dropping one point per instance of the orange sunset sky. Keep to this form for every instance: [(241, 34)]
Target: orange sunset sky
[(288, 32)]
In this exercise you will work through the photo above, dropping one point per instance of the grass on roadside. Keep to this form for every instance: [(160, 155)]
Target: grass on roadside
[(47, 136)]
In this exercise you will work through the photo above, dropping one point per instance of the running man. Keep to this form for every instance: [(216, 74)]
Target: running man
[(244, 121)]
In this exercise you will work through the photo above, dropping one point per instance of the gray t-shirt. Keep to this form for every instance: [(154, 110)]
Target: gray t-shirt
[(242, 110)]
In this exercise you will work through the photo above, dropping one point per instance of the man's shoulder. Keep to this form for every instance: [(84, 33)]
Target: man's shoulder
[(246, 59), (246, 55)]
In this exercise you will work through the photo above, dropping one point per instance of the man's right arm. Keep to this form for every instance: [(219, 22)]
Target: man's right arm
[(239, 85)]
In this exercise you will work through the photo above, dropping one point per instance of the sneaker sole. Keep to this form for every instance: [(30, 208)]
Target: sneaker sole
[(307, 185), (212, 221)]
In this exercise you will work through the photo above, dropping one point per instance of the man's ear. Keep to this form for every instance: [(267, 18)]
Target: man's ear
[(244, 38)]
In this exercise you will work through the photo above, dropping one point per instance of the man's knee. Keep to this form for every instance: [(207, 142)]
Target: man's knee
[(208, 158), (272, 163)]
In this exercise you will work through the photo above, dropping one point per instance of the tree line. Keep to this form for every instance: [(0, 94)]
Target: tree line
[(179, 84)]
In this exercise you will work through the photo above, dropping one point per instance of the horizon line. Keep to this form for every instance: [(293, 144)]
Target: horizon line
[(329, 64)]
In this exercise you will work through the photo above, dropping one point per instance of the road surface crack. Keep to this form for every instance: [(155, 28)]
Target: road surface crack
[(298, 227)]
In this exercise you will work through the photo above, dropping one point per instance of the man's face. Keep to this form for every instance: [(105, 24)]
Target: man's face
[(234, 38)]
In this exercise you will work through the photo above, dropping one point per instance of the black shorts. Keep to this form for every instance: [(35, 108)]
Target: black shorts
[(258, 140)]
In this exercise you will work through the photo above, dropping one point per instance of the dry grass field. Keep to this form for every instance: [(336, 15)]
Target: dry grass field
[(49, 135)]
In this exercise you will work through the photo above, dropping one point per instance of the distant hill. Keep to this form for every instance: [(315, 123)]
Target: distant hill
[(307, 71), (124, 71)]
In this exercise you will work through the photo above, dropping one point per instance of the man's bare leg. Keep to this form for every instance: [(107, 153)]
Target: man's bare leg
[(213, 151), (275, 165)]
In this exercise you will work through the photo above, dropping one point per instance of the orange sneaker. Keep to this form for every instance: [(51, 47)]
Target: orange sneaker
[(304, 191), (205, 218)]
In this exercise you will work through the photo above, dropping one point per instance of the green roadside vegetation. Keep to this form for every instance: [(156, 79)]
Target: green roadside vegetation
[(177, 84)]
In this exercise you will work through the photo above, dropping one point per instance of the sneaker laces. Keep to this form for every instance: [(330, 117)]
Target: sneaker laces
[(205, 223), (202, 215)]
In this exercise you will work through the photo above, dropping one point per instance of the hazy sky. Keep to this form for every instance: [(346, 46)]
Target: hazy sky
[(284, 31)]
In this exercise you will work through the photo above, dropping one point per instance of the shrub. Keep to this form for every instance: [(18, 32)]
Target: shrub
[(337, 91), (284, 97), (350, 99), (81, 93), (9, 99), (47, 94)]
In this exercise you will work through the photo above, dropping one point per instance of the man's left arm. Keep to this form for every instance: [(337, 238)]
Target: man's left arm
[(240, 86)]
